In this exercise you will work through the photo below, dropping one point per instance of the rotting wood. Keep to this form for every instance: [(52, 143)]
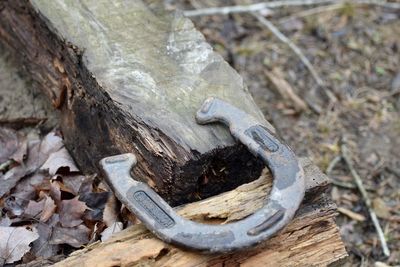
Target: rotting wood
[(312, 238), (128, 77)]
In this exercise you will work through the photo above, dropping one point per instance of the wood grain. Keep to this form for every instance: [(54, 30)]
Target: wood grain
[(311, 239), (128, 76)]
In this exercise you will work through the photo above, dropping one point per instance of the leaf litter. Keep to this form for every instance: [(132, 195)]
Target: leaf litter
[(47, 205)]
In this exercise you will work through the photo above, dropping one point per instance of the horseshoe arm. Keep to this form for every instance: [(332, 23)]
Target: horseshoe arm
[(279, 208)]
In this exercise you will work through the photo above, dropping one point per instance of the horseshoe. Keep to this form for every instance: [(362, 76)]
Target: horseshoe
[(278, 210)]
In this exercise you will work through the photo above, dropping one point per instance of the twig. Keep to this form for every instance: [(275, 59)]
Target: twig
[(296, 50), (276, 4), (342, 184), (393, 171), (275, 77), (381, 3), (252, 8), (311, 11), (335, 181), (367, 200), (332, 164), (294, 47), (336, 6)]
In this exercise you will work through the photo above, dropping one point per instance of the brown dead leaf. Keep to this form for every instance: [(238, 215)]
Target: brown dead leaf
[(42, 247), (74, 236), (14, 243), (38, 152), (73, 182), (49, 208), (59, 160), (28, 187), (14, 206), (111, 211), (55, 191), (34, 209), (96, 203), (9, 143), (380, 208), (71, 212)]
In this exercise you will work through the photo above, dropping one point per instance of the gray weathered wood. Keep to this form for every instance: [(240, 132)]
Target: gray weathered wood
[(129, 76)]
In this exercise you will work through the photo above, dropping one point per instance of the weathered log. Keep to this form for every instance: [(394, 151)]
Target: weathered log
[(311, 239), (128, 77)]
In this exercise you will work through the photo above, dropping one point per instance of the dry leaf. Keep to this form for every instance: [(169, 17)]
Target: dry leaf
[(71, 212), (96, 203), (59, 160), (112, 229), (38, 152), (73, 182), (34, 209), (55, 191), (14, 206), (14, 243), (111, 211), (42, 247), (74, 236), (27, 187), (49, 208), (380, 208), (353, 215), (14, 144)]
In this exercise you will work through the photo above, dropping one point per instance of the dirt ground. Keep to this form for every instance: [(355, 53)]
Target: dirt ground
[(355, 50)]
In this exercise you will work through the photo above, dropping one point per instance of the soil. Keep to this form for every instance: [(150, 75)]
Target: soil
[(355, 50)]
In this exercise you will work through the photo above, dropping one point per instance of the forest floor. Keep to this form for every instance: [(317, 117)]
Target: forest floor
[(356, 52)]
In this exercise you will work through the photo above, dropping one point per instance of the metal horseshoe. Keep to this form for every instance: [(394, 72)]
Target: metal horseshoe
[(279, 208)]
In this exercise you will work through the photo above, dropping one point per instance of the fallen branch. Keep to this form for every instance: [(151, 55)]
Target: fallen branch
[(367, 200), (384, 4), (335, 181), (311, 11), (269, 5), (275, 77), (296, 50), (336, 6), (251, 8)]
